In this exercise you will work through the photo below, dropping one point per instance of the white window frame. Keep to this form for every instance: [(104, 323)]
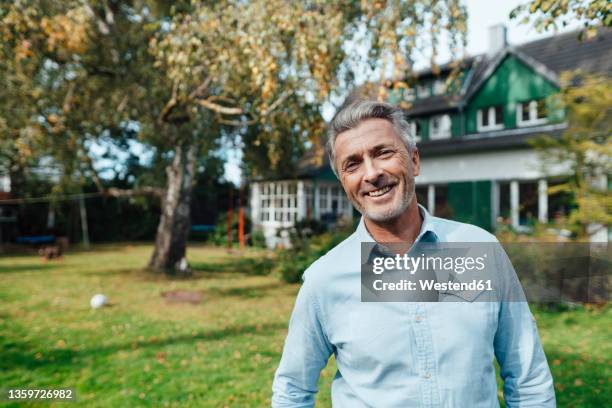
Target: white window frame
[(444, 132), (328, 193), (490, 111), (423, 91), (278, 203), (409, 94), (533, 114), (439, 87), (413, 131)]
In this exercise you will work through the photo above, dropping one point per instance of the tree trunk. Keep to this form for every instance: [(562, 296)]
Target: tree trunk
[(175, 220)]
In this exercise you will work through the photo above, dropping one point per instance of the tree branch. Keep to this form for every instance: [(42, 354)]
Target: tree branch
[(199, 91), (219, 108), (122, 104), (282, 98), (170, 105), (68, 98), (236, 122)]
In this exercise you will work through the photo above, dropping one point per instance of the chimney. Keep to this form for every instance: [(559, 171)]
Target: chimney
[(497, 39)]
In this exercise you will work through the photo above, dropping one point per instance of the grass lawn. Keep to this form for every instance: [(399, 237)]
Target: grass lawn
[(145, 351)]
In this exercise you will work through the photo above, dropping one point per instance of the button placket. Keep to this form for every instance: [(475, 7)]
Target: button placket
[(424, 344)]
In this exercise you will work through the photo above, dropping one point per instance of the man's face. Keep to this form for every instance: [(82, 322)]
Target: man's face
[(376, 169)]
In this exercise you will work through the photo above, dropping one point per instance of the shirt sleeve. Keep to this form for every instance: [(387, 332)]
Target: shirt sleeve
[(523, 366), (305, 354)]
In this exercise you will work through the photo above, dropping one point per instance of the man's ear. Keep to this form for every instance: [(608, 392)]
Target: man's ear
[(416, 162)]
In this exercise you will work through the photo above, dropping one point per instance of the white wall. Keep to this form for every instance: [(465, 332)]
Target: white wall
[(505, 165), (5, 183)]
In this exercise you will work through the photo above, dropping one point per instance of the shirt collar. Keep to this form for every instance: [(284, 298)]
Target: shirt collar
[(426, 234)]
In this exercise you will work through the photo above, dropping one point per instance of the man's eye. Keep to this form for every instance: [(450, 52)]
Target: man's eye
[(350, 166), (385, 153)]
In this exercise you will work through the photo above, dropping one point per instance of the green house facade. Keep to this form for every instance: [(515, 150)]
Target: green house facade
[(473, 135)]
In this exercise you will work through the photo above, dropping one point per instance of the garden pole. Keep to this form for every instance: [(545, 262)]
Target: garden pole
[(241, 218), (84, 227), (229, 219)]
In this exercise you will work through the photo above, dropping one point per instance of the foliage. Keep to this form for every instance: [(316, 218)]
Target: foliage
[(547, 14), (144, 351), (586, 147), (74, 72), (305, 249), (308, 227), (257, 239)]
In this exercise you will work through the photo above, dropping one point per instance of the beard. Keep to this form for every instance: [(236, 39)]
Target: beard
[(393, 211)]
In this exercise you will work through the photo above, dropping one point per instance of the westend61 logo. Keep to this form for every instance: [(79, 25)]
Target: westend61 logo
[(485, 272)]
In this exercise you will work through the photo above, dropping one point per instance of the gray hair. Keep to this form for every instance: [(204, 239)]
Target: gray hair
[(351, 115)]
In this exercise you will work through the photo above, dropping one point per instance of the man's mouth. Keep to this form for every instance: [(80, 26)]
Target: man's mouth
[(381, 191)]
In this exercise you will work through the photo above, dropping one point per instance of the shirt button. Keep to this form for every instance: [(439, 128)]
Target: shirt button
[(418, 319)]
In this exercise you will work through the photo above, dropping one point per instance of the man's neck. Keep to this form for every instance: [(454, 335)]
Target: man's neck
[(404, 228)]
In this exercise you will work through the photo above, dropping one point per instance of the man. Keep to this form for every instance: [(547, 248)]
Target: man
[(400, 354)]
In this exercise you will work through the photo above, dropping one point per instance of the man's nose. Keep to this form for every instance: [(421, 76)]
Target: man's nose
[(372, 171)]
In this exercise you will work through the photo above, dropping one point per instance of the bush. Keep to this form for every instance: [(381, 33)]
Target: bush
[(257, 239), (292, 262)]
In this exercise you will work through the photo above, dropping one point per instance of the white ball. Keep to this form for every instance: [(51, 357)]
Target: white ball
[(97, 301)]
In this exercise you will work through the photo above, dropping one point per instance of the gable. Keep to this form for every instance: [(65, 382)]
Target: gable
[(513, 81)]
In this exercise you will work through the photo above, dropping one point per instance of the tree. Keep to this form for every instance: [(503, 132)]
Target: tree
[(185, 75), (546, 14), (586, 147)]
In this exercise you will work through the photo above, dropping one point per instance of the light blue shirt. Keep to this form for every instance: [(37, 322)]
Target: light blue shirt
[(408, 354)]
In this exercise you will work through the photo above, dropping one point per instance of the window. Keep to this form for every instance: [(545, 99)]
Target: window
[(409, 94), (423, 91), (440, 127), (322, 199), (490, 118), (278, 202), (439, 87), (415, 130), (531, 113), (332, 202)]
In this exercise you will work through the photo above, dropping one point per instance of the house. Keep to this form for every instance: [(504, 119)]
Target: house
[(472, 134), (315, 193)]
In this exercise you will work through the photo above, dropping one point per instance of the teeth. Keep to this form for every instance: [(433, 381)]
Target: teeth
[(379, 192)]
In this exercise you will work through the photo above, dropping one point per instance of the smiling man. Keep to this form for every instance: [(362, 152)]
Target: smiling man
[(401, 354)]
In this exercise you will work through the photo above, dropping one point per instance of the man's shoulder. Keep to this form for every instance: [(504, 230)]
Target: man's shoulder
[(455, 231)]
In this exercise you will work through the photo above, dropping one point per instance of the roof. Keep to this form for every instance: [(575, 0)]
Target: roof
[(313, 163), (434, 104), (565, 52), (548, 56)]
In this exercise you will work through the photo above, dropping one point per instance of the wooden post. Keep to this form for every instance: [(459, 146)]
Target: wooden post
[(241, 218), (84, 226), (229, 218)]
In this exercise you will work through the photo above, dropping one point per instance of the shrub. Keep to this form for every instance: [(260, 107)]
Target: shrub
[(257, 239), (292, 262)]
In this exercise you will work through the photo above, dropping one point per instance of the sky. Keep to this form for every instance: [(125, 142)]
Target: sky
[(481, 15)]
